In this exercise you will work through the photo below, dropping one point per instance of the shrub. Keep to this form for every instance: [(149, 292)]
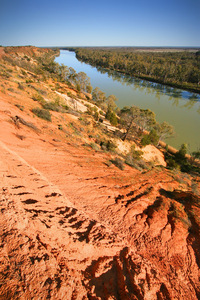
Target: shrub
[(113, 119), (111, 146), (51, 106), (111, 116), (38, 98), (179, 161), (65, 106), (135, 163), (20, 86), (129, 160), (11, 90), (139, 165), (29, 81), (136, 154), (78, 87), (143, 165), (145, 140), (94, 146), (84, 121), (180, 155), (154, 138), (108, 113), (93, 111), (118, 162), (96, 116), (108, 163), (23, 72), (106, 145), (71, 95), (21, 107), (151, 138), (133, 159), (42, 113), (196, 154)]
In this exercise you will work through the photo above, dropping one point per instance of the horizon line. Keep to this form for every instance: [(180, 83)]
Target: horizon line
[(94, 46), (123, 46)]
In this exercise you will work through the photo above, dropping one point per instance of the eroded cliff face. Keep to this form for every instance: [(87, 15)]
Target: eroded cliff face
[(73, 228), (124, 238)]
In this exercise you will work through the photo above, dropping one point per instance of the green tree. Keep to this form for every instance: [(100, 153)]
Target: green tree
[(180, 155), (96, 115), (63, 71), (108, 113), (83, 80), (72, 76), (128, 117), (113, 119), (111, 116), (145, 119), (98, 96), (151, 138), (111, 99), (164, 130), (134, 120), (196, 154), (89, 89)]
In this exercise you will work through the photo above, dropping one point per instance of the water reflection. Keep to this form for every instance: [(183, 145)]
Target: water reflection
[(175, 101), (193, 97), (152, 88), (190, 104)]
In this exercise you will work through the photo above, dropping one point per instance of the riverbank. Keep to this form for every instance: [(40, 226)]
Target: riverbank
[(150, 50), (176, 107), (150, 79), (168, 68)]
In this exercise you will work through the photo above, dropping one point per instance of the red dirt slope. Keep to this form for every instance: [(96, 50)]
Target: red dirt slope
[(73, 228)]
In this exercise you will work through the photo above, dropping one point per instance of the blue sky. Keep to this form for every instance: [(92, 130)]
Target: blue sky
[(100, 23)]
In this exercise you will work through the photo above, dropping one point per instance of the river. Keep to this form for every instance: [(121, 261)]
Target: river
[(177, 107)]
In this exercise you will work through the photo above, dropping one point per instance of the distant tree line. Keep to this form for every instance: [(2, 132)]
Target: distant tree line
[(179, 69)]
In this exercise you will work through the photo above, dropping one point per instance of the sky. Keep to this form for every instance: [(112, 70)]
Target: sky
[(145, 23)]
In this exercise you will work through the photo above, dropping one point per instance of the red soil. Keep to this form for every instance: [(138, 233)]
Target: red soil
[(73, 228)]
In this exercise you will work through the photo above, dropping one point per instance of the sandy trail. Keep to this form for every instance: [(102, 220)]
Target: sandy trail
[(48, 236)]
